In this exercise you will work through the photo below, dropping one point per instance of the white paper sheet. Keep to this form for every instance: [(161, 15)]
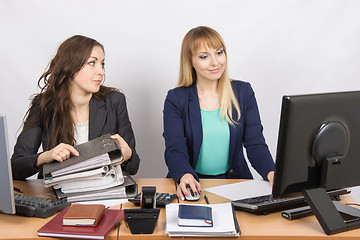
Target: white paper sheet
[(246, 189), (107, 203)]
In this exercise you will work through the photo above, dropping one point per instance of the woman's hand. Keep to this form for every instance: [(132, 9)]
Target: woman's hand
[(59, 153), (270, 177), (187, 180), (125, 149)]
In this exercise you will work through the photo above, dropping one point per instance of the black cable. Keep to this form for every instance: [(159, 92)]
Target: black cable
[(177, 198), (355, 204)]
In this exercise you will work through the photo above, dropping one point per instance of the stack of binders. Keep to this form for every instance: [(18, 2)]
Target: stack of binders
[(92, 175)]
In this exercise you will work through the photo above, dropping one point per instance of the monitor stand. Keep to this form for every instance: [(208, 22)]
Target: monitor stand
[(333, 217), (329, 214), (329, 147)]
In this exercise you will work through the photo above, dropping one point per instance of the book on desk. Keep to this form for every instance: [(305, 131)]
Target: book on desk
[(84, 215), (195, 216), (55, 227)]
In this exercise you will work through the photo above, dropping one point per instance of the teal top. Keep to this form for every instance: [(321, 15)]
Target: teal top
[(214, 152)]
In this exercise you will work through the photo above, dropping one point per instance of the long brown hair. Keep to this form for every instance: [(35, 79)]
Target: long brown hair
[(52, 106), (206, 36)]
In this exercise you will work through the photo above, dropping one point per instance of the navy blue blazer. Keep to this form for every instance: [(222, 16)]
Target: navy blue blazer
[(108, 115), (183, 134)]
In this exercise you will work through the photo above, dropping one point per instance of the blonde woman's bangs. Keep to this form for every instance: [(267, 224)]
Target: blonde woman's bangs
[(207, 41)]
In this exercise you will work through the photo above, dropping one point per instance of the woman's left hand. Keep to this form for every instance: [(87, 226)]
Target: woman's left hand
[(270, 177), (125, 149)]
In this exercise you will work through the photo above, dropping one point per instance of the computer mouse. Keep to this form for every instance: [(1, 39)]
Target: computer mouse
[(192, 196)]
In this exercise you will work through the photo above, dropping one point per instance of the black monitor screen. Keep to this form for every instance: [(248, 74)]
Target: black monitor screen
[(313, 128)]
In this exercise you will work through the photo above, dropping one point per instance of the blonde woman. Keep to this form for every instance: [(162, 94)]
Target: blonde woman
[(209, 118)]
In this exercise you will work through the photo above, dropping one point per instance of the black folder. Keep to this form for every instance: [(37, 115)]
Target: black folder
[(90, 149)]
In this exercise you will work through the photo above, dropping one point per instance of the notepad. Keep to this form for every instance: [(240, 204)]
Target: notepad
[(195, 216), (84, 215)]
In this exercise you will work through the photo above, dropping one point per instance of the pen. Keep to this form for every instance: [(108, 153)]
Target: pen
[(18, 190), (206, 199)]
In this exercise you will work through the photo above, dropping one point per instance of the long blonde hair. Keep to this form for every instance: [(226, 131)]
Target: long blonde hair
[(206, 36)]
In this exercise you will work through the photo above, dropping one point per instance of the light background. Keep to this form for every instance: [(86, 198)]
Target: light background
[(279, 46)]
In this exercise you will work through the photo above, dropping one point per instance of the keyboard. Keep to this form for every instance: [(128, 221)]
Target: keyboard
[(38, 206), (161, 199), (266, 204)]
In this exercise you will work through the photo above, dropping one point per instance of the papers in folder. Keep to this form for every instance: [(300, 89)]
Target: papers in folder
[(104, 177), (93, 175), (125, 190), (91, 163), (224, 222)]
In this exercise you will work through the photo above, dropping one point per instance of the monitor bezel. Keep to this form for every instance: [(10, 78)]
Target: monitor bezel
[(7, 203)]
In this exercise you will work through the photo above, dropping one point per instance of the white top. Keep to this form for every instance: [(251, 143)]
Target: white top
[(81, 132)]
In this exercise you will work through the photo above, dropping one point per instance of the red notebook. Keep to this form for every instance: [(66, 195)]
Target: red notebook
[(54, 227)]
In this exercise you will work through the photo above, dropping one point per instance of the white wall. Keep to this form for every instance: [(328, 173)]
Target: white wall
[(280, 47)]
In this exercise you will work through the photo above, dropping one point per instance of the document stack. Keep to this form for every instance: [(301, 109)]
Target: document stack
[(92, 175), (221, 222)]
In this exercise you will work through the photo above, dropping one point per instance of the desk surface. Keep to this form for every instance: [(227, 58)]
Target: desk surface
[(271, 226)]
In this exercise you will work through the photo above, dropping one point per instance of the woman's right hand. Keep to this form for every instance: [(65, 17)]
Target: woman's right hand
[(59, 153), (187, 180)]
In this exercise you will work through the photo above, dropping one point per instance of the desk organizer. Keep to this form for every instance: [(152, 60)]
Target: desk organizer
[(142, 221)]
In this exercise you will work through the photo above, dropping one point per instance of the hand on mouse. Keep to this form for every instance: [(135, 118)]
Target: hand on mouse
[(187, 181), (192, 196)]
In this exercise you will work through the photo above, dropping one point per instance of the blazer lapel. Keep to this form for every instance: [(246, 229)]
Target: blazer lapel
[(232, 142), (233, 131), (97, 116), (195, 121)]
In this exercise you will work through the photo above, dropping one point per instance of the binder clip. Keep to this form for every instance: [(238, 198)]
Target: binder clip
[(143, 220)]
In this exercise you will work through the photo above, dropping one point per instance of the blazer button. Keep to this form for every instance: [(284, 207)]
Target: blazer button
[(231, 171)]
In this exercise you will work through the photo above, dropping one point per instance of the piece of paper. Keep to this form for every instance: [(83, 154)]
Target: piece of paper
[(355, 193), (107, 203), (241, 190)]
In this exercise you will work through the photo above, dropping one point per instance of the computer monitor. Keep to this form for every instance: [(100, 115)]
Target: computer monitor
[(7, 204), (319, 149)]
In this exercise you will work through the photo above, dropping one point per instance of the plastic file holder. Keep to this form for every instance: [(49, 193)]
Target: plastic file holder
[(143, 220)]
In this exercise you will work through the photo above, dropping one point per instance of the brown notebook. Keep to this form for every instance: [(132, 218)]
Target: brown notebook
[(83, 215)]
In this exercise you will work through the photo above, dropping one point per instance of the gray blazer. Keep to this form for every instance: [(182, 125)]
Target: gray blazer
[(108, 115)]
